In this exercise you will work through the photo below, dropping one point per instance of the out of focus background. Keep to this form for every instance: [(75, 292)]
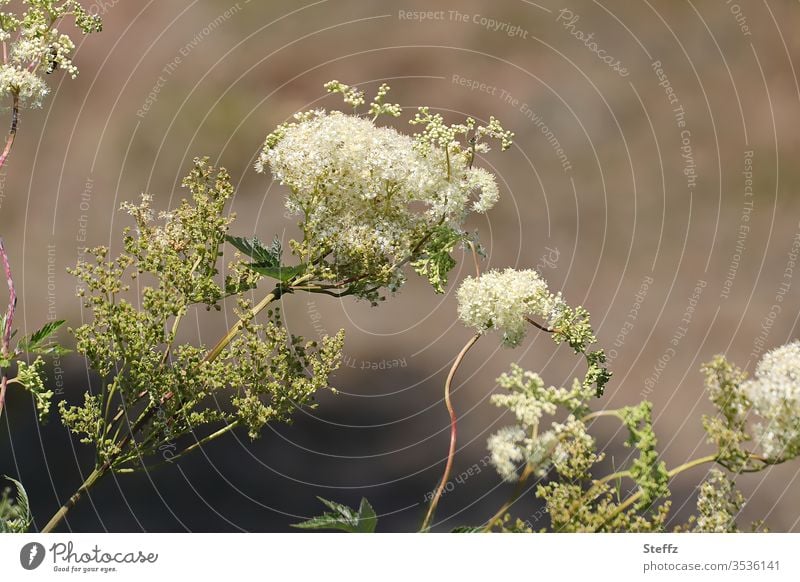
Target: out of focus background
[(653, 179)]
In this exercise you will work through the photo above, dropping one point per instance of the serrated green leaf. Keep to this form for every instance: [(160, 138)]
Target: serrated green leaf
[(36, 343), (258, 251), (367, 520), (281, 273), (467, 529), (15, 517), (343, 518)]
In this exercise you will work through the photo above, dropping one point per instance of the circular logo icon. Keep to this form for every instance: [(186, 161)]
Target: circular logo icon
[(31, 555)]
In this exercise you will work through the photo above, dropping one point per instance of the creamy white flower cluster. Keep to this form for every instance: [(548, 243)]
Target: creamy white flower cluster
[(30, 88), (502, 300), (370, 197), (774, 392), (34, 46), (520, 444)]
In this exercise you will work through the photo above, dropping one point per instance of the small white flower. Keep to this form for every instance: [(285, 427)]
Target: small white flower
[(775, 394), (501, 300), (507, 449), (511, 448), (30, 88)]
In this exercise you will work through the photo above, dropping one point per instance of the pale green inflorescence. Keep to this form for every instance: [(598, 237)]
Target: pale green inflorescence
[(33, 46), (565, 452), (155, 389), (371, 199), (526, 396), (718, 504)]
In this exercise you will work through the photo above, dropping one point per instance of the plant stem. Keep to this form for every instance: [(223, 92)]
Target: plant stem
[(197, 444), (599, 413), (223, 343), (12, 132), (538, 326), (475, 258), (61, 513), (523, 479), (99, 472), (5, 348), (453, 421), (3, 386), (692, 464), (149, 411), (5, 333), (679, 469)]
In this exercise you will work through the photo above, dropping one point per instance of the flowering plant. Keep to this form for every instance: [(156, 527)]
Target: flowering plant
[(32, 49), (369, 200)]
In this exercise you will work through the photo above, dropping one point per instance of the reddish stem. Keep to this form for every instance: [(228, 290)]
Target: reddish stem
[(3, 385), (6, 331), (453, 422), (12, 302), (12, 132)]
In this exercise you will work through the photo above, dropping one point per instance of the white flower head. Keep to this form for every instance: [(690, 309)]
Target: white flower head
[(367, 194), (506, 447), (30, 88), (511, 448), (775, 394), (502, 300)]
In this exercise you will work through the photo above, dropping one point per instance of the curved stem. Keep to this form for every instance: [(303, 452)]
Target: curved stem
[(599, 413), (453, 421), (692, 464), (538, 325), (62, 512)]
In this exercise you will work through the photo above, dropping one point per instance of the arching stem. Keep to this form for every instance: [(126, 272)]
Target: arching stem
[(453, 426)]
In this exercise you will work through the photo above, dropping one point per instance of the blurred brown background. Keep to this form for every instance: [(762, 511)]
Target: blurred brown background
[(622, 206)]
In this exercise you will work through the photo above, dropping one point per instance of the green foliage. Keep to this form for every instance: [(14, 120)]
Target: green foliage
[(649, 474), (343, 518), (156, 391), (728, 428), (567, 454), (15, 512), (435, 262), (467, 529), (718, 505), (262, 255), (267, 259), (38, 342), (29, 376), (573, 327)]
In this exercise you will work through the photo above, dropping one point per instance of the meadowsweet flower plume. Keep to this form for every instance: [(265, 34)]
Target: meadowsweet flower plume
[(774, 392), (371, 199), (503, 300)]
